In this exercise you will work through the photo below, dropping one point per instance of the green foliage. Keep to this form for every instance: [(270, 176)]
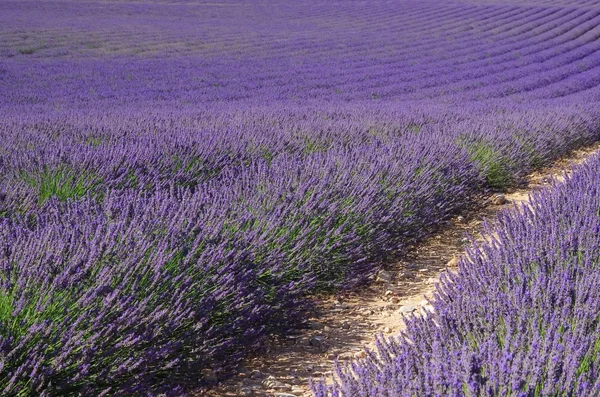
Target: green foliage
[(587, 362), (195, 167), (27, 51), (62, 183), (6, 306), (313, 145), (94, 141), (130, 181), (493, 164), (414, 128), (266, 153)]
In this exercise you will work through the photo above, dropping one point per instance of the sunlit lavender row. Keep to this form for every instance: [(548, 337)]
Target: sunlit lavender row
[(178, 178), (520, 318)]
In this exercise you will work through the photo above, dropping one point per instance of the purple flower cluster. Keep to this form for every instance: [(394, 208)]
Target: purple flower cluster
[(176, 178), (519, 318)]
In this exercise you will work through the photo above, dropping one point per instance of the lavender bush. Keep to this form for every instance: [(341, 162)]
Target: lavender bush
[(177, 178), (520, 317)]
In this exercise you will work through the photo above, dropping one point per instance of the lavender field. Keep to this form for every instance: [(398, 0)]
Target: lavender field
[(178, 179)]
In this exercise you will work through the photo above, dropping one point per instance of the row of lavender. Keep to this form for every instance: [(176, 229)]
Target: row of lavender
[(131, 264), (162, 212), (66, 56), (69, 154), (520, 318)]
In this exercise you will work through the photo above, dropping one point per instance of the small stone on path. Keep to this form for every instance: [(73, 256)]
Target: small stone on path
[(499, 199), (407, 309), (246, 392), (384, 276), (315, 325), (452, 262), (317, 341), (256, 374)]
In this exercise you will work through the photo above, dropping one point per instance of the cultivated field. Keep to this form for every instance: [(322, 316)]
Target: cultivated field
[(178, 179)]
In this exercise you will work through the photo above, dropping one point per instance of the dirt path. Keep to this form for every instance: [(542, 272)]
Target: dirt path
[(344, 325)]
